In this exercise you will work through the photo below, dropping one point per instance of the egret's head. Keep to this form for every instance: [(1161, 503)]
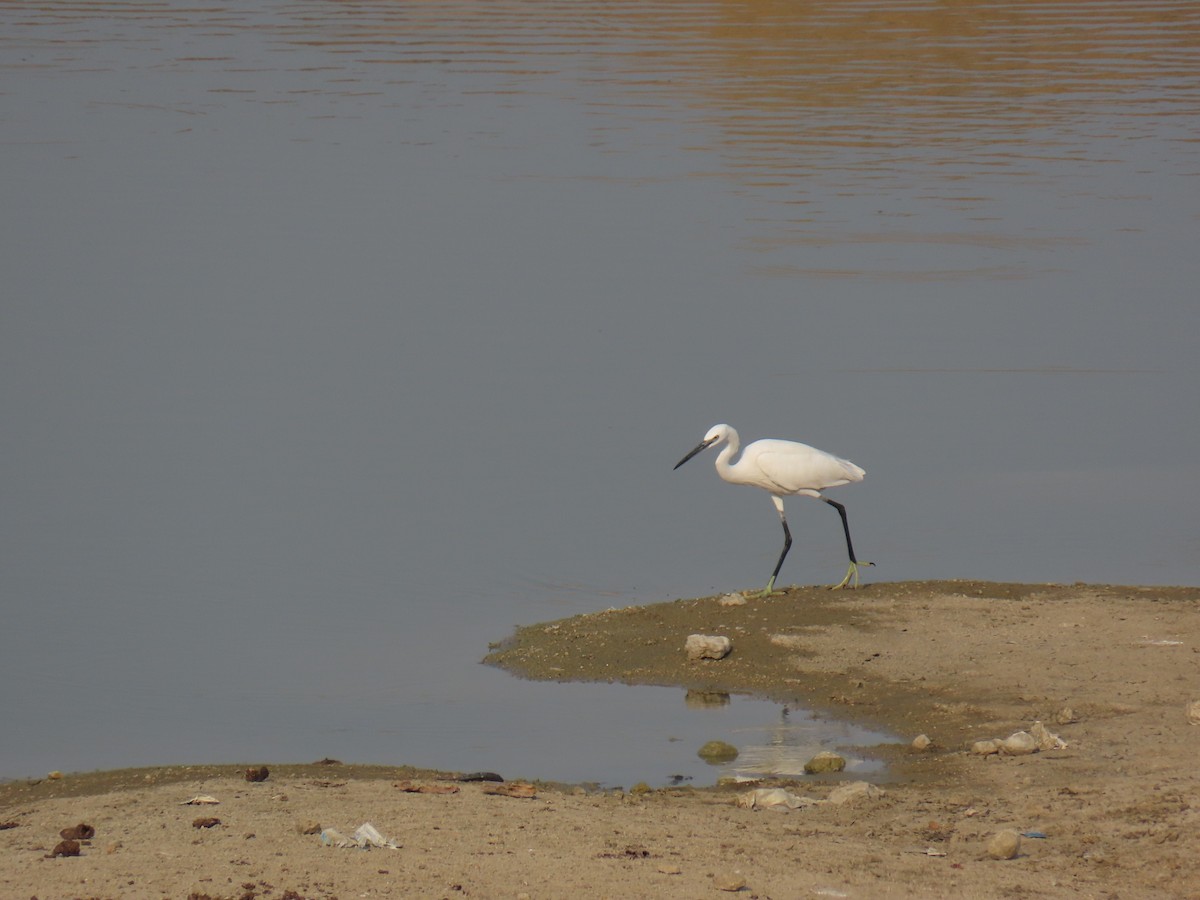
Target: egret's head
[(715, 435)]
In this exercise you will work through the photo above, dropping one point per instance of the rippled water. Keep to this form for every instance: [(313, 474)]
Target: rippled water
[(340, 338)]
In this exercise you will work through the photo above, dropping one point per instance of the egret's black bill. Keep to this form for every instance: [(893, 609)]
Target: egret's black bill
[(703, 445)]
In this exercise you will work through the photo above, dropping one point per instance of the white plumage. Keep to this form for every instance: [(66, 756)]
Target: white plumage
[(785, 468)]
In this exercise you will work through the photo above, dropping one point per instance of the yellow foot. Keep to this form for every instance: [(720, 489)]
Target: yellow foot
[(851, 573), (770, 589)]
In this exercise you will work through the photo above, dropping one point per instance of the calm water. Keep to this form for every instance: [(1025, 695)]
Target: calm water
[(337, 339)]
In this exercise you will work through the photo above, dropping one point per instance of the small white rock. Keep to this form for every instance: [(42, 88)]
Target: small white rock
[(734, 599), (731, 882), (1020, 744), (985, 748), (921, 742), (1004, 845), (707, 646), (854, 791), (1046, 740)]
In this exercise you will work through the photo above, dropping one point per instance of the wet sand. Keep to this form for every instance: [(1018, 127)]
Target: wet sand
[(1110, 670)]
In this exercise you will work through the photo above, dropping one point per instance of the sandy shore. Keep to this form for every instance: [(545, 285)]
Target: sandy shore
[(1116, 813)]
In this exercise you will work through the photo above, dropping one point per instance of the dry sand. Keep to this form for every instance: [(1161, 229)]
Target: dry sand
[(958, 661)]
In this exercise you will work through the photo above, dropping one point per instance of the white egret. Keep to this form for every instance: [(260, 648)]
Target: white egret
[(785, 468)]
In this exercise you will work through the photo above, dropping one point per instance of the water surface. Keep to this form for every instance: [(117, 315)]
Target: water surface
[(339, 339)]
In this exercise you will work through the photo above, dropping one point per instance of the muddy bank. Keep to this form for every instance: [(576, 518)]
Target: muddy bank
[(949, 658)]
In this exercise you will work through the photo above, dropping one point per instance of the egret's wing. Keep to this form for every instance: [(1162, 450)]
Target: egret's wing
[(793, 467)]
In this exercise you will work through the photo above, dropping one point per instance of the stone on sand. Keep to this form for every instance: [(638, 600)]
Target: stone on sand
[(1019, 744), (854, 792), (1193, 712), (731, 882), (707, 646), (1004, 845)]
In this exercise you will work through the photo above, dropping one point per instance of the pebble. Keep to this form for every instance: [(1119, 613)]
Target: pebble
[(1004, 845), (1193, 712), (731, 883), (824, 762), (855, 791), (64, 848), (985, 748), (921, 742), (1019, 744), (707, 646), (734, 599)]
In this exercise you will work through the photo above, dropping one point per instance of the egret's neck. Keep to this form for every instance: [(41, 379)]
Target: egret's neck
[(724, 461)]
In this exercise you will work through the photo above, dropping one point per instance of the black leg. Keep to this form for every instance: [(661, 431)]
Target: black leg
[(787, 545), (845, 526), (852, 571)]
